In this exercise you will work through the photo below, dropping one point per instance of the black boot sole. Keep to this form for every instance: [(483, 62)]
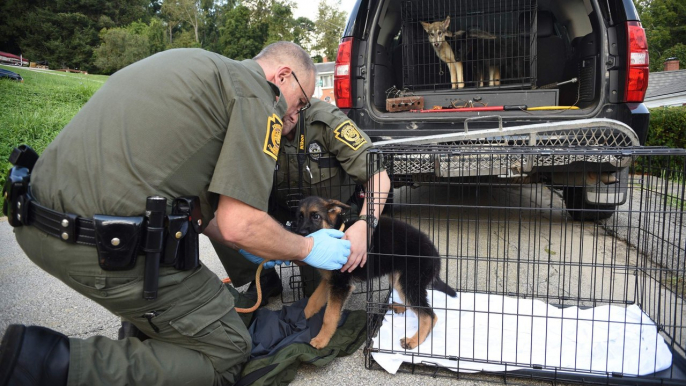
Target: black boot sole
[(9, 351)]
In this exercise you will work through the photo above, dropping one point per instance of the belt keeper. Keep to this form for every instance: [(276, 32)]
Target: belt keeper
[(154, 239), (68, 228), (22, 209)]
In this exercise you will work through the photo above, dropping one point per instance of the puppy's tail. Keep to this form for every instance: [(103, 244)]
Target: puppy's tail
[(443, 287)]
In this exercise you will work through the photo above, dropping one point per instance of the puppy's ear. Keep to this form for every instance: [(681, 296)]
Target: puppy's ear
[(425, 25), (335, 206), (334, 209), (446, 22)]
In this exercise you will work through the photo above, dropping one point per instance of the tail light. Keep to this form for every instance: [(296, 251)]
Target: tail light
[(637, 63), (342, 78)]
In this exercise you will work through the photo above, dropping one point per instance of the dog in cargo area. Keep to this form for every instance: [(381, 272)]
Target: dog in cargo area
[(474, 44), (438, 32), (398, 249)]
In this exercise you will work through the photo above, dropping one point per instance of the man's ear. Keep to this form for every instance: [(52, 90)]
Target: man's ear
[(282, 72)]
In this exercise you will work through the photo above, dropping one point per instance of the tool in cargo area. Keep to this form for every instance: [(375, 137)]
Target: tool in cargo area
[(439, 109), (474, 102), (404, 104), (557, 84), (402, 100)]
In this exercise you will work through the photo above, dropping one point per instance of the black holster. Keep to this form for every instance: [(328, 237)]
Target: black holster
[(182, 245), (17, 184)]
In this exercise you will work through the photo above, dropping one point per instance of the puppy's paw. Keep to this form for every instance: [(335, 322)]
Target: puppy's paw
[(319, 342), (408, 343)]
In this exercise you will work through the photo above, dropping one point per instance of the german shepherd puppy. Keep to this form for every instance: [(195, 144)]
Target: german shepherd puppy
[(404, 253)]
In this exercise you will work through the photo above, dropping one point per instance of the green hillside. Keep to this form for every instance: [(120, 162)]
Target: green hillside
[(34, 111)]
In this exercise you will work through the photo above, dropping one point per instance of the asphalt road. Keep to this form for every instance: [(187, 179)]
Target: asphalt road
[(515, 241)]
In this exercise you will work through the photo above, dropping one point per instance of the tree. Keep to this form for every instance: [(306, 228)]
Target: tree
[(241, 37), (281, 24), (665, 25), (64, 33), (303, 32), (120, 47), (329, 28), (172, 15), (62, 39), (155, 33), (188, 11)]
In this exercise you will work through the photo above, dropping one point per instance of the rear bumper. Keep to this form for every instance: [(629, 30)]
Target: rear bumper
[(583, 134)]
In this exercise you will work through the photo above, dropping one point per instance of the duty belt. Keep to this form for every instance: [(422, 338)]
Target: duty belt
[(165, 239), (65, 226)]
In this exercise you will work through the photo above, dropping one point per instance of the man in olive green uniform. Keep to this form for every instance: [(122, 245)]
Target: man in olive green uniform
[(334, 155), (183, 122)]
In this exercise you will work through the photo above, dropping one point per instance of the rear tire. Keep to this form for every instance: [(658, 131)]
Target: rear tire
[(580, 210)]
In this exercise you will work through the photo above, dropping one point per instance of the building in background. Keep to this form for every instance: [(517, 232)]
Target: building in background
[(324, 84), (668, 87)]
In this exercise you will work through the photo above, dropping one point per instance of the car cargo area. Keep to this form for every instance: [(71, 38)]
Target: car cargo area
[(516, 57)]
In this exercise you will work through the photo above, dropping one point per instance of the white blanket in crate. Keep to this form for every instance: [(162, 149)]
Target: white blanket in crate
[(527, 333)]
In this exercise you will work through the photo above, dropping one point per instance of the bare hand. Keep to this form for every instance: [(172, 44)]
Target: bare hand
[(357, 234)]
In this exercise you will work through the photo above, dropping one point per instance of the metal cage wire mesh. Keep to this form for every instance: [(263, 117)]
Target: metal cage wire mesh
[(498, 37), (504, 236), (319, 176)]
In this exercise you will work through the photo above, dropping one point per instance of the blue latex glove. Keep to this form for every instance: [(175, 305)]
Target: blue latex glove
[(328, 252), (258, 260)]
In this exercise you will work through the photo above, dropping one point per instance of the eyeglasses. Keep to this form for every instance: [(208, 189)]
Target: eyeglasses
[(307, 105)]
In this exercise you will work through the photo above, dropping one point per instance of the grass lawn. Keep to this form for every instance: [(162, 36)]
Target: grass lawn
[(34, 112)]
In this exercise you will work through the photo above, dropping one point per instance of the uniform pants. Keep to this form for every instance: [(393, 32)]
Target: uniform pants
[(201, 340)]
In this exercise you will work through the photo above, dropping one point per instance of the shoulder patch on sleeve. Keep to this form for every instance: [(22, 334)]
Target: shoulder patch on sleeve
[(272, 141), (347, 133)]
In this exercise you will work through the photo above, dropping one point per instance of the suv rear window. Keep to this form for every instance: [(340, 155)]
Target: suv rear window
[(485, 53)]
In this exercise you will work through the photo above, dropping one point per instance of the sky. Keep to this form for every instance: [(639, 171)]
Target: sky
[(308, 8)]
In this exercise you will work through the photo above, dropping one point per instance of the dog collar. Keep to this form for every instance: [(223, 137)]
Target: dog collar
[(371, 220)]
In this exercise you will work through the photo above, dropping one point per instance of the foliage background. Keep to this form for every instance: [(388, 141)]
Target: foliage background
[(667, 127), (103, 36), (35, 111), (665, 24)]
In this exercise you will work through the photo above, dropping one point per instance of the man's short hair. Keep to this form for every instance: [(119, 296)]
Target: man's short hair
[(288, 52)]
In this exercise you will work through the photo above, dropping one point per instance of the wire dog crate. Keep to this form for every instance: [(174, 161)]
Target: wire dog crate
[(492, 44), (541, 294), (312, 173)]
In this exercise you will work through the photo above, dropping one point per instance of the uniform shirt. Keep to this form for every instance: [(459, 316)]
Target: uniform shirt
[(330, 136), (181, 122)]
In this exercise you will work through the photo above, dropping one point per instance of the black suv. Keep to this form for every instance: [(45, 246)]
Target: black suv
[(544, 72)]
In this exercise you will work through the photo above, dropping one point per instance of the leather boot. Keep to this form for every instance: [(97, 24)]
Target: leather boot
[(33, 356)]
